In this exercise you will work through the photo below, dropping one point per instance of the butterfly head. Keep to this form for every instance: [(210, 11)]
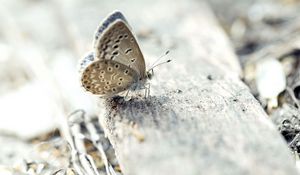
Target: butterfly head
[(149, 74)]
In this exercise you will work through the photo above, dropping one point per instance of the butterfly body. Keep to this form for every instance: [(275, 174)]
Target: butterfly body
[(117, 63)]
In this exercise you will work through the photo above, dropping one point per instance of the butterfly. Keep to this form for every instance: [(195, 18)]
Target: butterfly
[(116, 63)]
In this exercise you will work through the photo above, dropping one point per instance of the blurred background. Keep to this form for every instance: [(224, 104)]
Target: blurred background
[(41, 42)]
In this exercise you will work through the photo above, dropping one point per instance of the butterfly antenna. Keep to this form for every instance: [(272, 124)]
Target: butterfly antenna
[(159, 64), (159, 58)]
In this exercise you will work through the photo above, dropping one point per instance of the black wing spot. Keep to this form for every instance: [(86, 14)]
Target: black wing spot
[(115, 53), (120, 83), (117, 66), (108, 41), (96, 66), (115, 46), (128, 50), (121, 79), (126, 71), (104, 47), (132, 60), (109, 69), (125, 36)]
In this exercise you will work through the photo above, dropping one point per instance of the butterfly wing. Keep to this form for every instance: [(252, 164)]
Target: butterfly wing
[(107, 22), (87, 59), (106, 77), (115, 41)]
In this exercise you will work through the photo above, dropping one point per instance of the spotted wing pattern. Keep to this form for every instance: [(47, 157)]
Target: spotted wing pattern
[(115, 41), (107, 77)]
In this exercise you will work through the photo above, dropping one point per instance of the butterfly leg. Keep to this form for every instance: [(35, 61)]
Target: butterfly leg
[(147, 90), (126, 97), (148, 84)]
